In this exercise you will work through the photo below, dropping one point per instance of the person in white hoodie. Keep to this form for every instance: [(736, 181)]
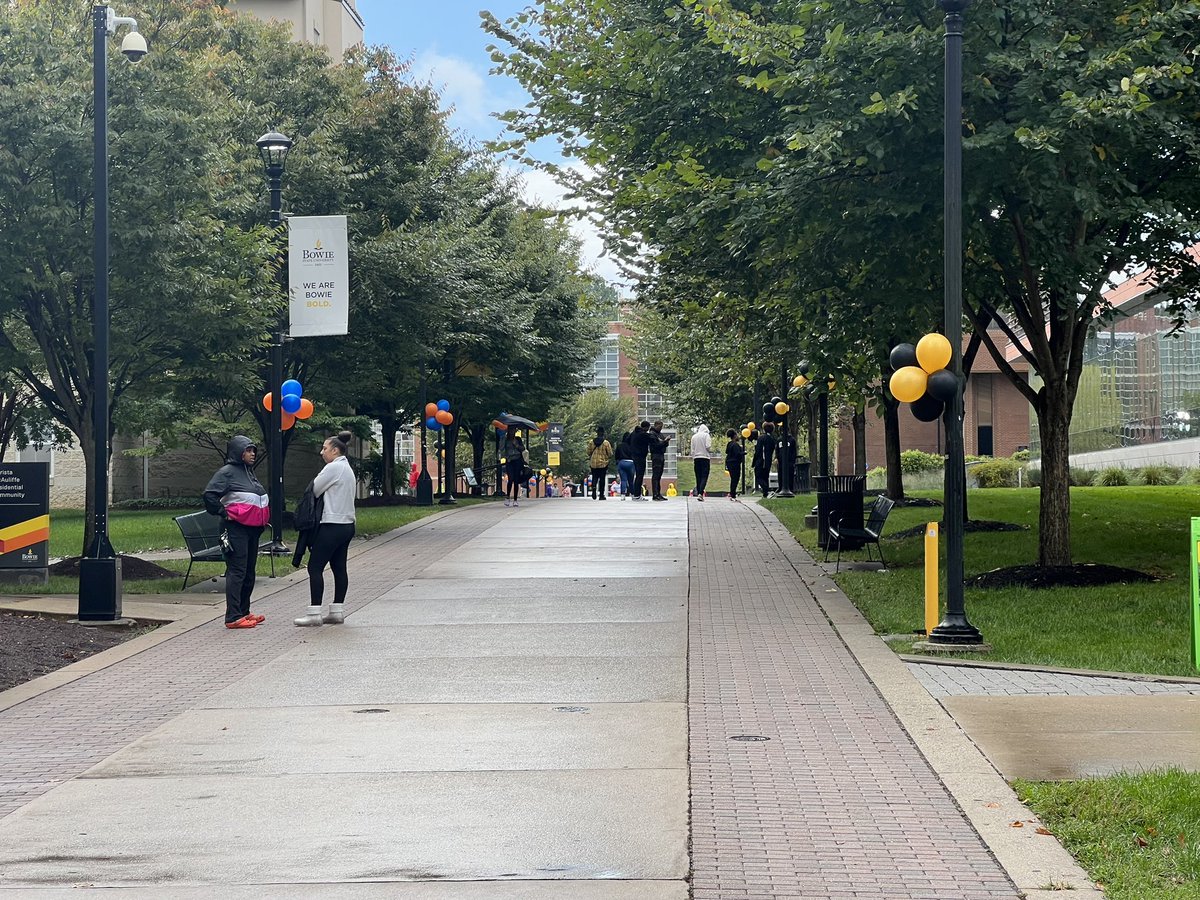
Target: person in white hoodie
[(336, 486), (701, 453)]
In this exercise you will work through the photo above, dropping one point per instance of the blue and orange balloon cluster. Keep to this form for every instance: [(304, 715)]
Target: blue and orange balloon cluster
[(920, 376), (293, 403), (438, 415)]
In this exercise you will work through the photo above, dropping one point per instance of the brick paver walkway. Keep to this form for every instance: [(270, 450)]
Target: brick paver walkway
[(60, 734), (957, 681), (837, 802)]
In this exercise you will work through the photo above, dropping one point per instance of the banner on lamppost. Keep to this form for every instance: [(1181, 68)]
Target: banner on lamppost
[(24, 515), (318, 275), (554, 438)]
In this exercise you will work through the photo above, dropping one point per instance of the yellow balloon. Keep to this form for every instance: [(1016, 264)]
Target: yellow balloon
[(751, 426), (745, 432), (781, 408), (908, 384), (934, 352), (543, 471), (831, 384), (503, 460), (799, 381)]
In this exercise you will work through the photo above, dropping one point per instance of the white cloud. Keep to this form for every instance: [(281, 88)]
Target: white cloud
[(473, 94), (540, 188)]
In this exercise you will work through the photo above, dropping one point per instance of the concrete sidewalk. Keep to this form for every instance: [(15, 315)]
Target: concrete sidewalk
[(521, 704)]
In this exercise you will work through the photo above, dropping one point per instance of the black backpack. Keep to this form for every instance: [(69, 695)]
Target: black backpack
[(308, 510)]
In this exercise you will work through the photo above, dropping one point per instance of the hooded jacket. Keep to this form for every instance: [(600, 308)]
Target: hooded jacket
[(701, 443), (234, 492)]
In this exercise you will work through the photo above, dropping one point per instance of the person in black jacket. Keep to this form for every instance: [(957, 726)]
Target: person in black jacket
[(658, 459), (625, 465), (234, 494), (639, 445), (734, 457), (764, 454)]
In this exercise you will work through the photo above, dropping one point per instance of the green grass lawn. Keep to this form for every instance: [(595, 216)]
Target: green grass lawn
[(1138, 835), (136, 532), (1128, 628)]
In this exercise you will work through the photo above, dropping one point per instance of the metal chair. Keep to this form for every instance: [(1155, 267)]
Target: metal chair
[(852, 538)]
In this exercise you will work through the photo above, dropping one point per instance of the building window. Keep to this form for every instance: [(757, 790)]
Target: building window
[(606, 370)]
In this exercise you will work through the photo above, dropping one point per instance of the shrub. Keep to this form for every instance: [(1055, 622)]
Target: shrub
[(151, 503), (1155, 475), (913, 462), (1021, 456), (995, 473), (1190, 476), (1080, 477), (1113, 476), (1033, 478)]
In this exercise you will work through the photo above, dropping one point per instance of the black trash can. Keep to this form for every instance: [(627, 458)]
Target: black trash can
[(803, 482), (839, 499)]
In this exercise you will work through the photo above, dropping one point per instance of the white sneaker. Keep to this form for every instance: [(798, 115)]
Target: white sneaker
[(507, 502), (336, 614), (312, 617)]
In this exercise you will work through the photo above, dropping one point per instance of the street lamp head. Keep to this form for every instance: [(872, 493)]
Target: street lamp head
[(134, 46), (273, 147)]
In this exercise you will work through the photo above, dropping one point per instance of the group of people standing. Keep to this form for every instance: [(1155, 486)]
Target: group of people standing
[(236, 495), (645, 441), (735, 459)]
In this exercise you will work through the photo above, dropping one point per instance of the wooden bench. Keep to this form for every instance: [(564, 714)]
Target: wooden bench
[(852, 538), (202, 536)]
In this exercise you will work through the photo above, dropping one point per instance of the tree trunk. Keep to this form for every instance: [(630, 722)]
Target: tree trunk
[(1054, 515), (478, 434), (450, 446), (891, 448), (814, 436), (389, 425), (859, 423)]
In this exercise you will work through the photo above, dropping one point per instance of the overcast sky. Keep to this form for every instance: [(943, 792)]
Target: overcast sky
[(448, 47)]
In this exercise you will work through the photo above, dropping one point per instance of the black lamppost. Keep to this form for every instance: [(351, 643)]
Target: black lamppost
[(785, 451), (100, 569), (954, 629), (273, 147)]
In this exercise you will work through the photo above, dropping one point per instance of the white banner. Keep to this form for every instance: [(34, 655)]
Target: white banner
[(319, 275)]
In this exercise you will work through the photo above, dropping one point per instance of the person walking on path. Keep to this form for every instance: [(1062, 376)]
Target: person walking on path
[(764, 455), (625, 466), (234, 494), (658, 459), (701, 453), (335, 485), (734, 457), (600, 451), (639, 442), (514, 468)]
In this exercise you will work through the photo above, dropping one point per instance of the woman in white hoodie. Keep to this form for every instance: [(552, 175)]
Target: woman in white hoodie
[(336, 486), (701, 452)]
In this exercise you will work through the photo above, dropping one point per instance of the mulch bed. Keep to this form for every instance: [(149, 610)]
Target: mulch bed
[(1081, 575), (132, 569), (974, 525), (32, 645)]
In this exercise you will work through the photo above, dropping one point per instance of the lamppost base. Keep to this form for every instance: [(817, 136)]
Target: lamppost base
[(951, 633), (447, 500), (99, 590), (946, 649), (424, 490), (783, 495), (274, 548), (93, 623)]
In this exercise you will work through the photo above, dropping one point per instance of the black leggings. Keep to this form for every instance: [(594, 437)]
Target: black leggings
[(702, 466), (599, 477), (240, 564), (329, 547), (514, 481), (735, 475)]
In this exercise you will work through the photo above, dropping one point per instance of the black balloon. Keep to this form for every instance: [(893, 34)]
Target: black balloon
[(775, 400), (903, 355), (927, 408), (754, 435), (942, 384), (768, 412), (804, 367)]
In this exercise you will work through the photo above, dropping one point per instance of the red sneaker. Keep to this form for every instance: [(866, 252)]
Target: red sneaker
[(258, 620), (243, 622)]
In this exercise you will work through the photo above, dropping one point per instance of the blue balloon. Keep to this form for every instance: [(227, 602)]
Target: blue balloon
[(436, 426), (433, 423), (291, 403), (292, 386), (444, 405)]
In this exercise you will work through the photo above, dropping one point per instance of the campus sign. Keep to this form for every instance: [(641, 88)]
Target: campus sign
[(24, 515), (319, 275)]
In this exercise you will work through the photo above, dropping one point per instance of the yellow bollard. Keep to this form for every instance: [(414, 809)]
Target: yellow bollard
[(931, 577)]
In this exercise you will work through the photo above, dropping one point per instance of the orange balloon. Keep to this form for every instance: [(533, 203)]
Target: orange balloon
[(268, 401), (431, 410), (288, 420), (444, 416), (306, 408)]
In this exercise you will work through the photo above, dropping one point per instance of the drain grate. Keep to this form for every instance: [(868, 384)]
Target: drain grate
[(372, 710), (749, 737), (571, 709)]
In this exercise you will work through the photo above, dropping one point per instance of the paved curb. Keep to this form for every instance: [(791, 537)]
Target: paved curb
[(1034, 861), (67, 674), (1022, 667)]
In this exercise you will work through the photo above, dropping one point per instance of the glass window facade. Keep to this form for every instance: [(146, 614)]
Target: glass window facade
[(606, 370)]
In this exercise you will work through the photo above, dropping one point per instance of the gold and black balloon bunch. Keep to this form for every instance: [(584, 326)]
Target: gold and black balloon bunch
[(802, 380), (920, 376)]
